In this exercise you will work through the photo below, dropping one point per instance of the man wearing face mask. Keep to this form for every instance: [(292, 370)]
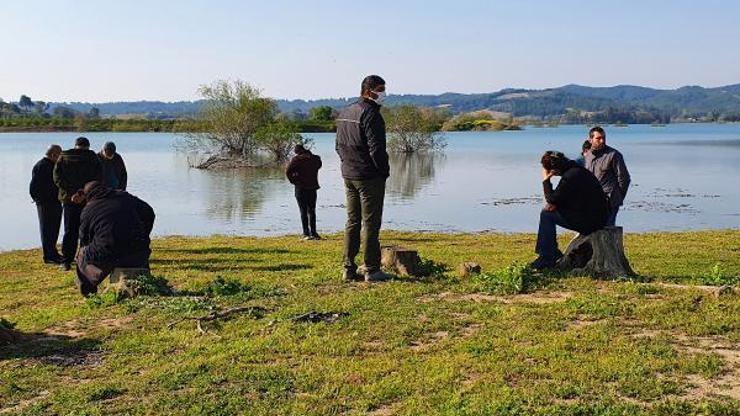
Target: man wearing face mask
[(361, 146)]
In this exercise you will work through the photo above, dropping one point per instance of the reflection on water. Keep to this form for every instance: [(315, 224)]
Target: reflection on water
[(239, 194), (411, 173)]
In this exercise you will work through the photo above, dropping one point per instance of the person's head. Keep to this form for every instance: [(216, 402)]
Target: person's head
[(109, 150), (585, 147), (94, 190), (555, 162), (299, 149), (82, 143), (53, 152), (373, 88), (597, 137)]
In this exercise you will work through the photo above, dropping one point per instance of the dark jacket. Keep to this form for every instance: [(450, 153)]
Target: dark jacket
[(43, 190), (607, 164), (114, 225), (114, 171), (74, 169), (579, 199), (303, 171), (361, 141)]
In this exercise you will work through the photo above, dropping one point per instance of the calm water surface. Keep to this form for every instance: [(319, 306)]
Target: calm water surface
[(684, 177)]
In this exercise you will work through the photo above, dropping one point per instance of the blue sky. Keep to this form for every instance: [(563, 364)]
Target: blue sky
[(80, 50)]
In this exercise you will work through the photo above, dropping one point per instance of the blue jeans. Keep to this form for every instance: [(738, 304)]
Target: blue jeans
[(612, 218), (547, 243)]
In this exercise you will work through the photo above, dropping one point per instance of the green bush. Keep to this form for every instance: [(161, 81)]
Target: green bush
[(516, 278)]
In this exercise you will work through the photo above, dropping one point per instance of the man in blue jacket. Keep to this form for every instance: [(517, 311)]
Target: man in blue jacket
[(361, 146)]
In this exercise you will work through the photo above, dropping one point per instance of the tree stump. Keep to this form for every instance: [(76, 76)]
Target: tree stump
[(599, 254), (123, 281), (403, 261), (468, 269)]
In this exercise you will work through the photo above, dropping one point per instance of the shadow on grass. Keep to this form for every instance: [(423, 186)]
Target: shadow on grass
[(282, 267), (228, 250), (51, 349)]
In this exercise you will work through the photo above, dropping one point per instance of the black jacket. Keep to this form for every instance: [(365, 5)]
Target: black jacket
[(114, 171), (361, 141), (113, 225), (579, 199), (43, 190), (74, 169), (303, 171)]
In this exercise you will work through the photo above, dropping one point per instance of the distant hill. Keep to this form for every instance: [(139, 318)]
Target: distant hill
[(689, 101)]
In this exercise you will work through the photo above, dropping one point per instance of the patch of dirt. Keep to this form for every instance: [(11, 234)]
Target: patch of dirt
[(726, 384), (385, 410), (79, 329), (470, 330), (582, 323), (538, 298), (423, 345), (74, 359), (23, 404)]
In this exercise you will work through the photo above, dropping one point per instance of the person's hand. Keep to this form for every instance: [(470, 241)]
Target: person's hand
[(78, 197), (546, 174), (550, 207)]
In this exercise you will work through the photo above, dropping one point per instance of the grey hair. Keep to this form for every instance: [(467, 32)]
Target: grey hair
[(52, 149)]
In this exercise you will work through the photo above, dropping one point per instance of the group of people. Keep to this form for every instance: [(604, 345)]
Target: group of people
[(88, 190), (113, 227)]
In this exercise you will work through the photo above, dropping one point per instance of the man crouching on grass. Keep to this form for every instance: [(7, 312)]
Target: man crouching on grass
[(578, 203), (114, 232)]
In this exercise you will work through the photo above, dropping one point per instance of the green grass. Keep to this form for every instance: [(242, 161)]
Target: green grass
[(507, 342)]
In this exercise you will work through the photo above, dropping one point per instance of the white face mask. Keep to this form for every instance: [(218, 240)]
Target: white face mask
[(381, 97)]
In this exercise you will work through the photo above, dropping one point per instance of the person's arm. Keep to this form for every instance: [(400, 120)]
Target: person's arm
[(33, 188), (123, 180), (558, 195), (623, 175), (374, 127), (85, 230), (290, 171), (98, 168), (145, 213), (60, 177)]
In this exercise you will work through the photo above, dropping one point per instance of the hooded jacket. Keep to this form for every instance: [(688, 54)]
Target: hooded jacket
[(303, 171), (579, 199), (74, 169)]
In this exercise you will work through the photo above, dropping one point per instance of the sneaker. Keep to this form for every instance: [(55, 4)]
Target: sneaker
[(65, 266), (351, 276), (315, 237), (542, 263), (56, 260), (307, 237), (377, 276)]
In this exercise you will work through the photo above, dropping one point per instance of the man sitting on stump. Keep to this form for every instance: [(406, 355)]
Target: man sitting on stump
[(578, 203), (114, 232)]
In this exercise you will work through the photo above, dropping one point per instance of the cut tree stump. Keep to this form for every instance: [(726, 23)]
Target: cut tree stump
[(599, 254), (123, 281), (468, 269), (403, 261)]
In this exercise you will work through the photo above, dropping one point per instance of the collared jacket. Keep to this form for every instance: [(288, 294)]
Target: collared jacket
[(74, 169), (43, 190), (607, 164), (579, 199), (303, 171), (114, 225), (361, 143), (114, 171)]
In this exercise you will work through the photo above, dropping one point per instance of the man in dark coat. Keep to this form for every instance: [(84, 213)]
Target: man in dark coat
[(303, 173), (114, 170), (361, 146), (45, 194), (578, 203), (73, 170), (114, 232)]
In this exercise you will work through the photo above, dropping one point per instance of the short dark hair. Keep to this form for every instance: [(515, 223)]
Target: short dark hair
[(82, 141), (370, 83), (586, 145), (554, 160), (110, 146), (596, 129), (299, 149)]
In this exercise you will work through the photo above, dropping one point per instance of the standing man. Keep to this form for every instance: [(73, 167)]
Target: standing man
[(361, 147), (303, 172), (607, 164), (73, 170), (114, 170), (45, 194)]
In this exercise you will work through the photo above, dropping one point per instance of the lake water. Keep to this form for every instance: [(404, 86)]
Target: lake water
[(683, 177)]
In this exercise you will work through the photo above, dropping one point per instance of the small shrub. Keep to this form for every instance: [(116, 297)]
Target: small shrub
[(516, 278), (5, 324), (225, 287), (149, 285), (430, 268), (718, 277), (102, 300)]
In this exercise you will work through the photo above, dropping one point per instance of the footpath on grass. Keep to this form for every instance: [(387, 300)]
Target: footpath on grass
[(231, 325)]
